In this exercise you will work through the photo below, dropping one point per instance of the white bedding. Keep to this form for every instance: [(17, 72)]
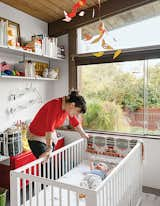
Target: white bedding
[(74, 176)]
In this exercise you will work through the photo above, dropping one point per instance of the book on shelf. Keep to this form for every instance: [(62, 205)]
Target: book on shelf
[(3, 32)]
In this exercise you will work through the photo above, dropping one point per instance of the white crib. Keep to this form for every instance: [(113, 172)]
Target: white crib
[(122, 187)]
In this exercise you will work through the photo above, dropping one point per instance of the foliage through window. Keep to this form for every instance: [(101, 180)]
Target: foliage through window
[(122, 97)]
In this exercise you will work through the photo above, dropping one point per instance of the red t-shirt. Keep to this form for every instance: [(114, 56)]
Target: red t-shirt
[(50, 117)]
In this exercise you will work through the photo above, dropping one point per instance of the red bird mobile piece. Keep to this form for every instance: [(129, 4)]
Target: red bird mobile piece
[(102, 30), (72, 14)]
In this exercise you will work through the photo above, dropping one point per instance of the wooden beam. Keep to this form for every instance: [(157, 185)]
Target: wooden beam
[(108, 8), (72, 37), (139, 53)]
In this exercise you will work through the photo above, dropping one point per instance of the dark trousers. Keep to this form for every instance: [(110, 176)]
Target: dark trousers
[(37, 149)]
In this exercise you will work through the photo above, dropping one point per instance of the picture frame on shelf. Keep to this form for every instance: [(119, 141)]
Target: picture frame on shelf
[(12, 32)]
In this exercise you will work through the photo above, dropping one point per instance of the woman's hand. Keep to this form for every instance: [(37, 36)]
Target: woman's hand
[(86, 136), (46, 154), (81, 131)]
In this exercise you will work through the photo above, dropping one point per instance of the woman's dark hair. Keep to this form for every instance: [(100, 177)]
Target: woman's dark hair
[(78, 100)]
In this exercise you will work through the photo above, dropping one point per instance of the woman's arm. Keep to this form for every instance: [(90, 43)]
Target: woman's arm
[(81, 131)]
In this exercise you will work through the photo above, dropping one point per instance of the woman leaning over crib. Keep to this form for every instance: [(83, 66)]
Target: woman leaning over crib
[(41, 133)]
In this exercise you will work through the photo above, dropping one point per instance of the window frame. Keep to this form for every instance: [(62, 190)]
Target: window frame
[(131, 54)]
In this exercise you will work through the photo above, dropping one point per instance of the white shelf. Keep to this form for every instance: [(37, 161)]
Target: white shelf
[(25, 78), (23, 52)]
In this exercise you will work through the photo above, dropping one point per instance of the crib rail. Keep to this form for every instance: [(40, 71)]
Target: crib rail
[(124, 184), (47, 197), (75, 151)]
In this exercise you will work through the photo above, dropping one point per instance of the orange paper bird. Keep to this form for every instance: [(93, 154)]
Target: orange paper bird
[(98, 54), (105, 45), (102, 30), (72, 14), (87, 37)]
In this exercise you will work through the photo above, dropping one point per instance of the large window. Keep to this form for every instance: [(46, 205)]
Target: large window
[(122, 97), (134, 28)]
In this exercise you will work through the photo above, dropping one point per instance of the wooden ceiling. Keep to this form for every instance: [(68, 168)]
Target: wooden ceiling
[(47, 10)]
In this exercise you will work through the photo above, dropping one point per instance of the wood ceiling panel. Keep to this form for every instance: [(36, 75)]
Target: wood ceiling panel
[(47, 10)]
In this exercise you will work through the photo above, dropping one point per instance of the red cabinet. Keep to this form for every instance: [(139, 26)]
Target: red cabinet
[(18, 161)]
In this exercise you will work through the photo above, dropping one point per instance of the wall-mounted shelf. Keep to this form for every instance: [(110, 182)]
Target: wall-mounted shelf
[(23, 52), (29, 78)]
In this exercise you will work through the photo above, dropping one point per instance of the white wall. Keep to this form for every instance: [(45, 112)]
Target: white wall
[(151, 170), (28, 25), (47, 89)]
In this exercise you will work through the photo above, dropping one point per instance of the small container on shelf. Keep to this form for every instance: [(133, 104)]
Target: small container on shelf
[(29, 69)]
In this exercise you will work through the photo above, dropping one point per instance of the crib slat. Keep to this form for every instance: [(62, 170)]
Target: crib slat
[(77, 199), (66, 161), (30, 192), (69, 159), (60, 197), (72, 161), (99, 199), (103, 196), (119, 179), (56, 166), (59, 163), (68, 198), (44, 169), (24, 191), (52, 195), (110, 193), (83, 149), (39, 170), (37, 189), (45, 199), (76, 154), (48, 168), (52, 168), (115, 189), (63, 163), (34, 170), (80, 152)]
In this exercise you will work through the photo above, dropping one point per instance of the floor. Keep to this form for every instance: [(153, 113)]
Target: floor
[(148, 200)]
